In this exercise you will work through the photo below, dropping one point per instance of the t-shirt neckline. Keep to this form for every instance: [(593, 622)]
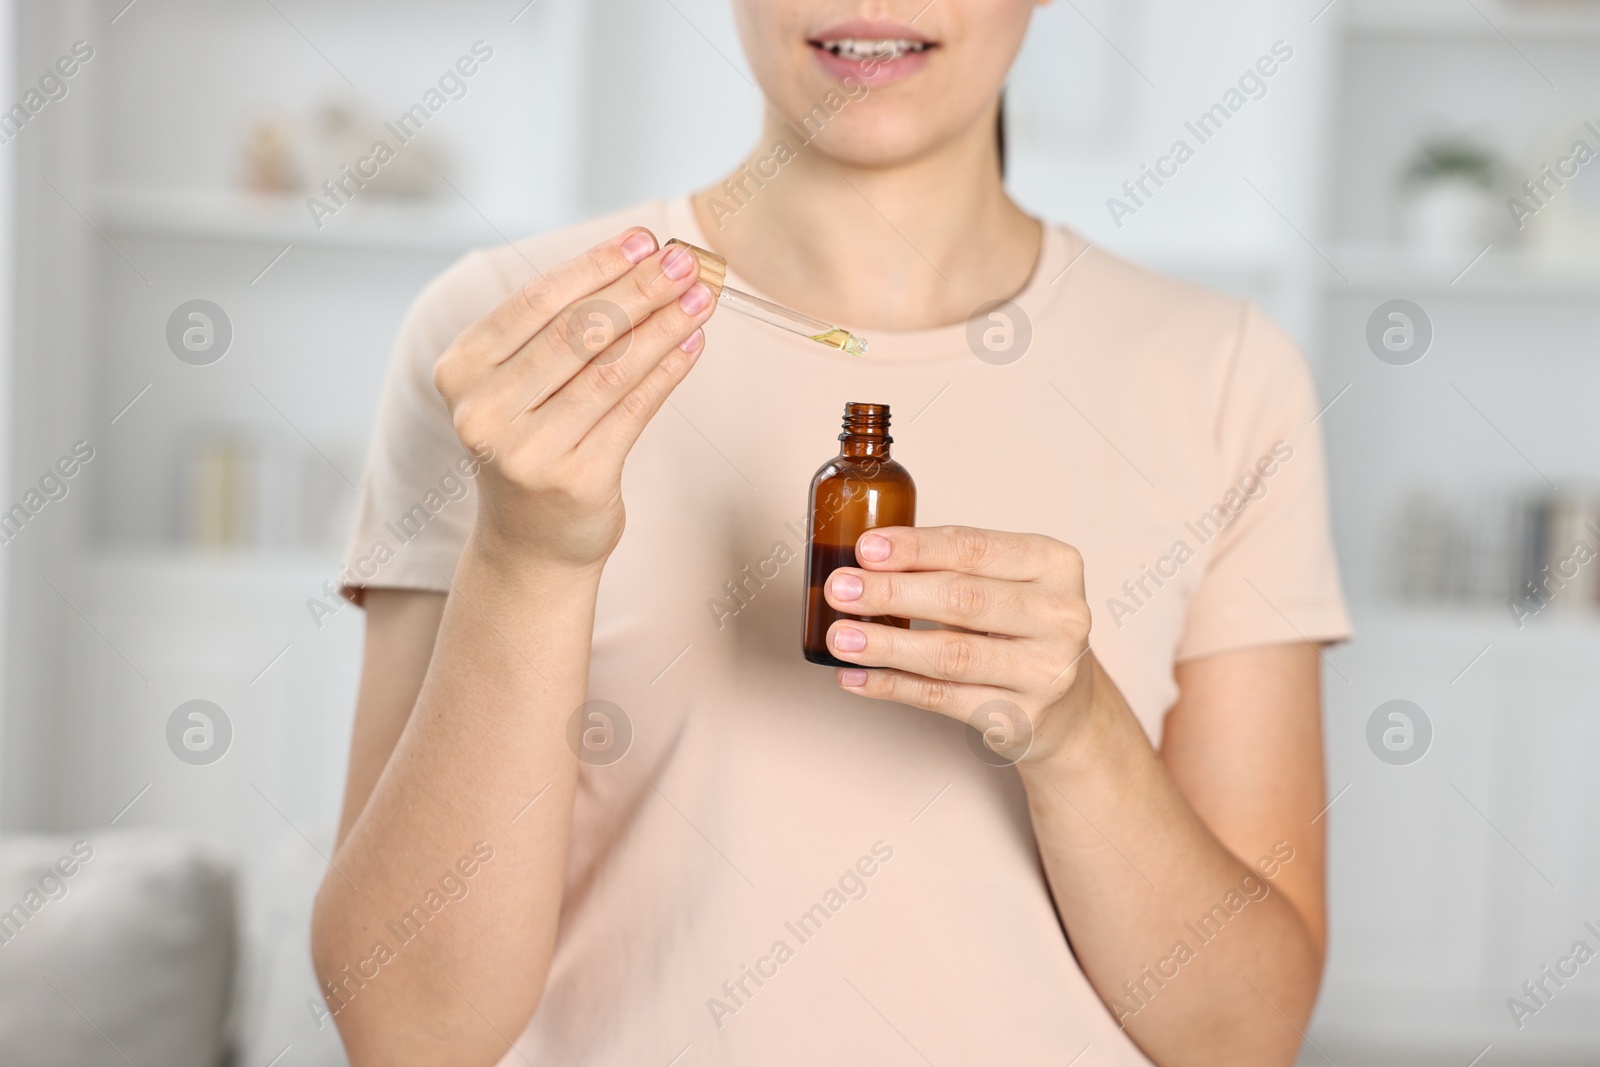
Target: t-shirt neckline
[(1058, 249)]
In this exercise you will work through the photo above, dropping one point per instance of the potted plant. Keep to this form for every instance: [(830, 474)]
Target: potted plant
[(1448, 202)]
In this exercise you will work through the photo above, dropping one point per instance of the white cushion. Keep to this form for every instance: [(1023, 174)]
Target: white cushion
[(129, 958), (279, 1005)]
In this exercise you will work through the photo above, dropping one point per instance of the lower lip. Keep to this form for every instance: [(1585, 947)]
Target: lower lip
[(872, 72)]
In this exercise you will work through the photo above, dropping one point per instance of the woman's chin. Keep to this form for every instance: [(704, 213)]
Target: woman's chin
[(876, 156), (882, 142)]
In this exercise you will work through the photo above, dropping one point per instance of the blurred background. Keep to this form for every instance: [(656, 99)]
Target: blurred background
[(1374, 196)]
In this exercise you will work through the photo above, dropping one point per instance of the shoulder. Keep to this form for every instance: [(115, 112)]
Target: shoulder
[(1210, 345), (1155, 313)]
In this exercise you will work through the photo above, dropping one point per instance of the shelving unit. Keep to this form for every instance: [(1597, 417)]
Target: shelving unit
[(375, 225), (1502, 274), (131, 205), (1436, 19), (1444, 873)]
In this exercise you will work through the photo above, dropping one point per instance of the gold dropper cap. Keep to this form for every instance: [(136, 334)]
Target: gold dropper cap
[(714, 273), (713, 268)]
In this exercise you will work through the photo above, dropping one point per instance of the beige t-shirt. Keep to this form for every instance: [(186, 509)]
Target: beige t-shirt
[(779, 872)]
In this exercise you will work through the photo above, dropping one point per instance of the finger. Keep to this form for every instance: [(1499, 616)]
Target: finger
[(985, 553), (984, 605), (499, 335), (944, 655), (595, 331), (954, 699), (595, 390), (614, 435)]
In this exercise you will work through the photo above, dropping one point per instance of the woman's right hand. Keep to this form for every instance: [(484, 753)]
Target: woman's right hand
[(552, 388)]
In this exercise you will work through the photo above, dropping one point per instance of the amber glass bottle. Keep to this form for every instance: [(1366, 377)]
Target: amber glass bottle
[(860, 488)]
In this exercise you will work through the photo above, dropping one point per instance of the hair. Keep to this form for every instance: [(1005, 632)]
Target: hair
[(1000, 133)]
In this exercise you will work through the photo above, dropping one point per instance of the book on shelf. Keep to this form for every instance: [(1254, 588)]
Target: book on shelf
[(1529, 553)]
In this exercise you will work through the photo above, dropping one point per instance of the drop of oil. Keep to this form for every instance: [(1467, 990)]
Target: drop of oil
[(843, 340)]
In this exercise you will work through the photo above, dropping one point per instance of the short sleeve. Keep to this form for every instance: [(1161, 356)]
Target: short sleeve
[(1271, 576), (418, 494)]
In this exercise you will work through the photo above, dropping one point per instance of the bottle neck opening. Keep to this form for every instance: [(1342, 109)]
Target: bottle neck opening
[(866, 430)]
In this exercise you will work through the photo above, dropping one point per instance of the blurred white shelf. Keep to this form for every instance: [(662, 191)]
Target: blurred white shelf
[(175, 571), (374, 224), (1559, 630), (164, 559), (158, 592), (1502, 273), (1553, 20)]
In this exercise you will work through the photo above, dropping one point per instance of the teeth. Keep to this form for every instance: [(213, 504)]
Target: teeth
[(886, 50)]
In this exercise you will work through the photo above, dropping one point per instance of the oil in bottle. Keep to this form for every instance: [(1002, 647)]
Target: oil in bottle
[(859, 489)]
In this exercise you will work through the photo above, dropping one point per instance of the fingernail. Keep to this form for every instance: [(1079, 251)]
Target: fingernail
[(846, 586), (695, 300), (852, 679), (678, 264), (639, 247), (849, 639), (873, 548), (693, 342)]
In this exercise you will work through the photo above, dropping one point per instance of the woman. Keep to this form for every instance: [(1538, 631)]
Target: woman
[(742, 858)]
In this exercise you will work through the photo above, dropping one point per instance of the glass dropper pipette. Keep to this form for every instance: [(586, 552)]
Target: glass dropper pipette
[(713, 269)]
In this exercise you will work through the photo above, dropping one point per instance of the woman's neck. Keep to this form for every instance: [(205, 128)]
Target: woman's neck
[(911, 246)]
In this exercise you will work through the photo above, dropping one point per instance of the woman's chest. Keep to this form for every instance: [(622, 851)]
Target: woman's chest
[(713, 558)]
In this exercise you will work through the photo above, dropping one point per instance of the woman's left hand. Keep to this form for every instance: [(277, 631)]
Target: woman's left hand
[(1014, 658)]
